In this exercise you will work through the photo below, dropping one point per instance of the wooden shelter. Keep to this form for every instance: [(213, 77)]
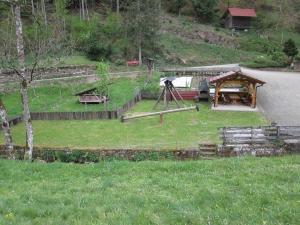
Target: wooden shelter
[(235, 88), (238, 18)]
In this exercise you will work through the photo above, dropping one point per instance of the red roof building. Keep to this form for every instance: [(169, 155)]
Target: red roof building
[(238, 18)]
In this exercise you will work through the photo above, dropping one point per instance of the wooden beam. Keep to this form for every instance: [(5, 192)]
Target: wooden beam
[(125, 118)]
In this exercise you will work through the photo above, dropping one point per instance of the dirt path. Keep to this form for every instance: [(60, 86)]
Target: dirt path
[(279, 99)]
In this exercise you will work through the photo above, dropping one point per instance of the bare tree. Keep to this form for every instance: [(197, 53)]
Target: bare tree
[(20, 70), (23, 79), (6, 131), (83, 10), (118, 6), (44, 13)]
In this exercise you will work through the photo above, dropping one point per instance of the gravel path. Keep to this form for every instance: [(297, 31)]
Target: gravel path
[(279, 98)]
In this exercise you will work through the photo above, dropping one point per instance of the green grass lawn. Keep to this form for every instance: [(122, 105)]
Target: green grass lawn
[(60, 97), (184, 129), (226, 191)]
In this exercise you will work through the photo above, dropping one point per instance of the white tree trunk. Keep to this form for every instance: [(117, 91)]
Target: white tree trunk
[(24, 82), (82, 8), (32, 7), (118, 6), (6, 131), (43, 6), (140, 51), (139, 34)]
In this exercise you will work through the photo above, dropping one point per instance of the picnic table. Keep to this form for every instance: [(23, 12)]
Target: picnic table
[(92, 99), (235, 98)]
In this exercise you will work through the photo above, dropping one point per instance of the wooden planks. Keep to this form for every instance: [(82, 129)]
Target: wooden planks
[(258, 135)]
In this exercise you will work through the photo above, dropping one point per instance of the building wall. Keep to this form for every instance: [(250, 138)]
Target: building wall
[(241, 22), (228, 21)]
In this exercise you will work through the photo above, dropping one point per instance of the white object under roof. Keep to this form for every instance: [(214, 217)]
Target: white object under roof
[(179, 82), (225, 90)]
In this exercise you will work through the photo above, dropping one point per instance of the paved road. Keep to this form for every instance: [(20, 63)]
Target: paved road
[(279, 98)]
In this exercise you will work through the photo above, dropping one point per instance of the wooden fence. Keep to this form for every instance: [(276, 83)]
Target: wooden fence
[(259, 141), (100, 115)]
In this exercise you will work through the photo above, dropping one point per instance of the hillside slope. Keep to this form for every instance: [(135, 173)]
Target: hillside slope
[(188, 42)]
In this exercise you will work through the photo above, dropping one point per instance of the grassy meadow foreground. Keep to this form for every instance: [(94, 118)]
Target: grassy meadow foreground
[(184, 129), (227, 191)]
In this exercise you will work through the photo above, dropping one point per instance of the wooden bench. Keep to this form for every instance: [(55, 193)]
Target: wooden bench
[(92, 99)]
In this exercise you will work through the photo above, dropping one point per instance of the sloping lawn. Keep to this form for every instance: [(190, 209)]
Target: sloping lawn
[(61, 97), (228, 191), (184, 129)]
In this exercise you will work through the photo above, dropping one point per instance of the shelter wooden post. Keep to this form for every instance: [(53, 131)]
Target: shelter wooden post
[(217, 95), (253, 99)]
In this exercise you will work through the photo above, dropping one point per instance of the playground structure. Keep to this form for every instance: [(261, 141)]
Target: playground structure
[(160, 113), (168, 94)]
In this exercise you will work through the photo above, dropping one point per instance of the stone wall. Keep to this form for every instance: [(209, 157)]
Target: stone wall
[(52, 154)]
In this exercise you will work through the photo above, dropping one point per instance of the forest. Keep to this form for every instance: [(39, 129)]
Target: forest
[(120, 30)]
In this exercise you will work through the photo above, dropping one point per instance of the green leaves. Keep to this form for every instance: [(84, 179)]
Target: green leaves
[(205, 9), (290, 48)]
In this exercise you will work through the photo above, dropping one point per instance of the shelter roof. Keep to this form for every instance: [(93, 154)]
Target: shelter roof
[(234, 75), (242, 12)]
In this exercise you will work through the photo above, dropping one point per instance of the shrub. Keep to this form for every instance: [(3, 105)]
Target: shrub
[(62, 156), (152, 87), (97, 52), (48, 155), (91, 157), (280, 58), (205, 9), (175, 6), (290, 49), (77, 157)]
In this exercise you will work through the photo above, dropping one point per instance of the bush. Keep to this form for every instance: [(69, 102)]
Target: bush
[(97, 52), (280, 58), (205, 9), (77, 157), (152, 87), (48, 156)]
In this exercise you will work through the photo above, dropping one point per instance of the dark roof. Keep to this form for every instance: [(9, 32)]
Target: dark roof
[(233, 74), (88, 91), (241, 12)]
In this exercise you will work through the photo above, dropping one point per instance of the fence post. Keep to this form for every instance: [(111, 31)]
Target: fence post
[(224, 135)]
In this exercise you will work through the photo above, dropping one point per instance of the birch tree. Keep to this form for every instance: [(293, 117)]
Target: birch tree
[(6, 131), (20, 70)]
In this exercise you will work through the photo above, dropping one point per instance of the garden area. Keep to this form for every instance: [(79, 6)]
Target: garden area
[(60, 97), (226, 191), (179, 130)]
